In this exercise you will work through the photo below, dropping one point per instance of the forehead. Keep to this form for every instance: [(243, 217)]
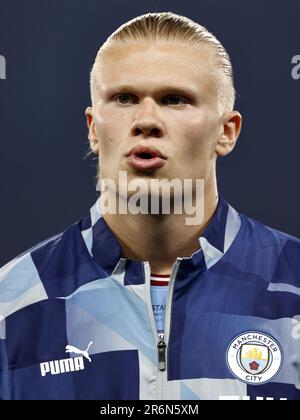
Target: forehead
[(154, 64)]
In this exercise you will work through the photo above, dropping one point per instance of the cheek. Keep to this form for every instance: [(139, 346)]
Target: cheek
[(103, 122), (199, 134), (111, 127), (192, 131)]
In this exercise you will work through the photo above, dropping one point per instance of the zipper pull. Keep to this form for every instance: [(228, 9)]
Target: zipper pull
[(161, 347)]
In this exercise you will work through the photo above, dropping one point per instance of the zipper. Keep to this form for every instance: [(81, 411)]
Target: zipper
[(162, 344), (161, 348)]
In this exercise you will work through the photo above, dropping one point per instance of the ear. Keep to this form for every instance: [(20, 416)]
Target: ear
[(231, 128), (92, 136)]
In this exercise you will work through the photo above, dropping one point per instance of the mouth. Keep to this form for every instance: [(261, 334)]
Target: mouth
[(144, 158)]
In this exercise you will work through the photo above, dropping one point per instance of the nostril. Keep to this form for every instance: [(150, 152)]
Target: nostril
[(155, 132), (137, 131)]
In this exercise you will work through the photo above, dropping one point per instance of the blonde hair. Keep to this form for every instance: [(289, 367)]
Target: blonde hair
[(167, 26)]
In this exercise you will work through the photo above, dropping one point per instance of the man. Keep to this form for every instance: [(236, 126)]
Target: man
[(129, 304)]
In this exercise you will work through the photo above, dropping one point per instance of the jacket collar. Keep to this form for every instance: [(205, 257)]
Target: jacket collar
[(213, 243)]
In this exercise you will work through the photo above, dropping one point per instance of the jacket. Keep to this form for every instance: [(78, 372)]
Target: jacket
[(76, 320)]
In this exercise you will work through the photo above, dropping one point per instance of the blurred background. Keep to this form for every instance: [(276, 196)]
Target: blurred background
[(46, 183)]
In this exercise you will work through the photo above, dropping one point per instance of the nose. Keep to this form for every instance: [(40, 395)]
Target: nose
[(147, 121)]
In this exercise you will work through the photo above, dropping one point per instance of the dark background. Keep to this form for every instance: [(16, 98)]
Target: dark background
[(46, 184)]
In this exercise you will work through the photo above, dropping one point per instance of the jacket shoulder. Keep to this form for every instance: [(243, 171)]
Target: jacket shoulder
[(267, 235), (274, 253), (20, 282), (38, 273)]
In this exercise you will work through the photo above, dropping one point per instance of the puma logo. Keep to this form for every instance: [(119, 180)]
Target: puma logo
[(73, 349)]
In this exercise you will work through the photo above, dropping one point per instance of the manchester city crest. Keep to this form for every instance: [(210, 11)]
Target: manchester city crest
[(254, 357)]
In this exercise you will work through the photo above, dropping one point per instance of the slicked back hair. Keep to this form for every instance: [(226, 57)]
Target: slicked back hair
[(167, 26)]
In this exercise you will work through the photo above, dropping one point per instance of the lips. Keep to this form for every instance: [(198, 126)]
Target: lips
[(144, 152), (144, 158)]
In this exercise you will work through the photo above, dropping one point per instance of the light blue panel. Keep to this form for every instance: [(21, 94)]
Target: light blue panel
[(119, 310), (186, 393), (17, 277), (2, 328), (284, 287)]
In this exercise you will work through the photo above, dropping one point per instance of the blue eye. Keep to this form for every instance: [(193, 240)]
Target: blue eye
[(127, 98), (175, 100), (124, 98)]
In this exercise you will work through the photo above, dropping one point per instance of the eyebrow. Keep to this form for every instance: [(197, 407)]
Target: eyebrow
[(184, 91)]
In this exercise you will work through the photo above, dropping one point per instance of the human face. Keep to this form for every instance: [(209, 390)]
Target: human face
[(160, 95)]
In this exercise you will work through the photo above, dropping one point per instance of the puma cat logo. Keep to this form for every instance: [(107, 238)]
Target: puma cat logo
[(72, 364), (73, 349)]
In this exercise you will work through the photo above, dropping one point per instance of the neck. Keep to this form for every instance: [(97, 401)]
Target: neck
[(161, 238)]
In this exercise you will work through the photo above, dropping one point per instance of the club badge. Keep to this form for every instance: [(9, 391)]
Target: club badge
[(254, 357)]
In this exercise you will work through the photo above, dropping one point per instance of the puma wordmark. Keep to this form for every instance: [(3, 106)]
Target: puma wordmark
[(71, 364)]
